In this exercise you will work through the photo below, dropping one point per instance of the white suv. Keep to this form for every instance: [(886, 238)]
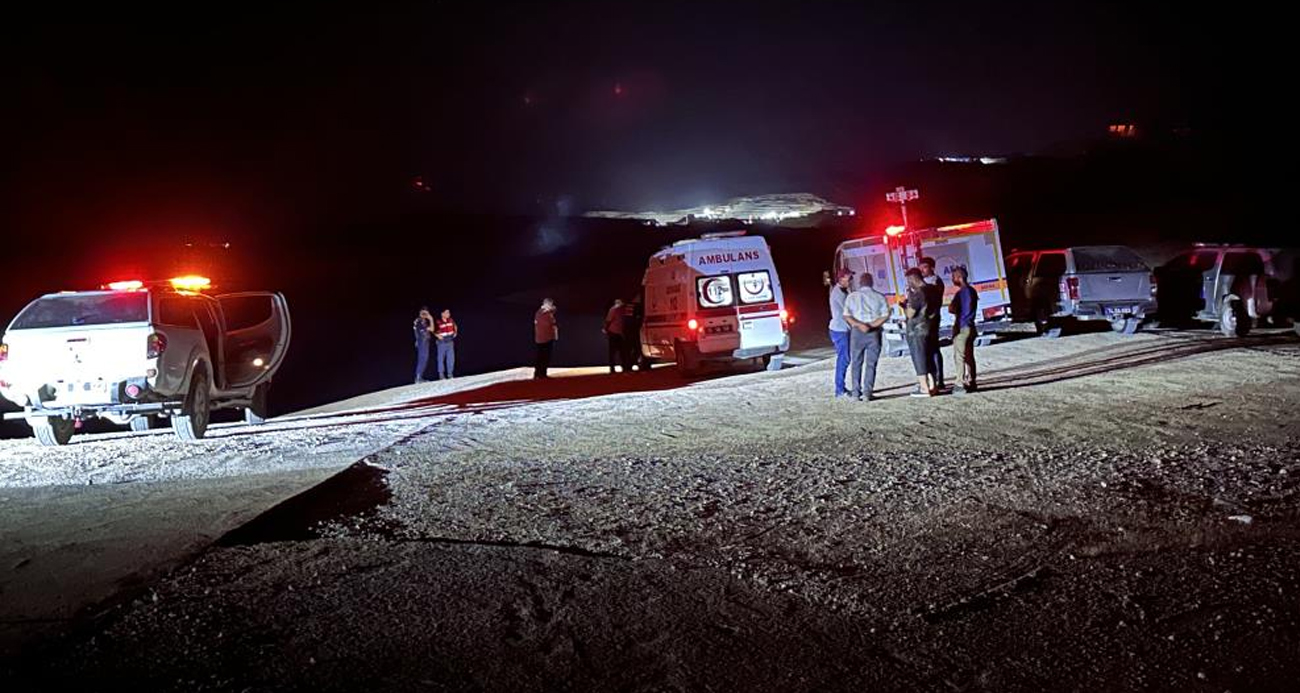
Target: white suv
[(136, 354)]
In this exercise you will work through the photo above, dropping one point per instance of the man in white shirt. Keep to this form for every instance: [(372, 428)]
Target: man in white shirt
[(865, 310), (839, 330)]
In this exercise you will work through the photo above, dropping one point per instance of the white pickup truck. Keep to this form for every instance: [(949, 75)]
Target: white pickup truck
[(136, 354)]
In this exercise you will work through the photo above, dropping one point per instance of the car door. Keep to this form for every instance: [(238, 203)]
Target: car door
[(257, 334), (1240, 273)]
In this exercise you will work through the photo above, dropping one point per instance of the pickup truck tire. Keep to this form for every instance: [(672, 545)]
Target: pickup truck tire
[(1234, 321), (53, 431), (143, 423), (192, 421), (255, 413), (688, 358)]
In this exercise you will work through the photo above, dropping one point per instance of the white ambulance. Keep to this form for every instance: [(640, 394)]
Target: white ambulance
[(714, 298), (975, 246)]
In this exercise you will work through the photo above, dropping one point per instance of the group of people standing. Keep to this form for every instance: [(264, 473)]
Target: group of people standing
[(857, 330), (622, 328), (442, 332)]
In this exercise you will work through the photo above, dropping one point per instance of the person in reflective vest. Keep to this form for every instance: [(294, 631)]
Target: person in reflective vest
[(445, 331)]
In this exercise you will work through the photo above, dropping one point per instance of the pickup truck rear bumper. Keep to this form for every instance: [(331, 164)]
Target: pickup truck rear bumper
[(78, 411), (1106, 310)]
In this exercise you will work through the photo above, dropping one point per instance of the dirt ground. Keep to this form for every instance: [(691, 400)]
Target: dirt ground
[(1109, 512)]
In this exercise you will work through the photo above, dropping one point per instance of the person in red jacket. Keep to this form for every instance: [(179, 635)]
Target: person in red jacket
[(546, 332), (613, 330), (445, 330)]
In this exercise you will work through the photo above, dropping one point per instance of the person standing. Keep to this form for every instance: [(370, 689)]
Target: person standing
[(916, 309), (865, 311), (613, 330), (422, 328), (963, 307), (633, 315), (839, 329), (935, 288), (546, 331), (445, 331)]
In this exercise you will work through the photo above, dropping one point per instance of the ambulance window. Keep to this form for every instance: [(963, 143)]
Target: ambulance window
[(714, 292), (755, 287)]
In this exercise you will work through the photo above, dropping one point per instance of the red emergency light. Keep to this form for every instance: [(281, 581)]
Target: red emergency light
[(131, 285), (894, 230)]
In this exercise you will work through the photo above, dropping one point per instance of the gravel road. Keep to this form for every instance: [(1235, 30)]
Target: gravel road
[(1110, 512)]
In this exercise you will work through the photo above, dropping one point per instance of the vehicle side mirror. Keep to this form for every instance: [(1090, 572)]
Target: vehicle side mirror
[(826, 278)]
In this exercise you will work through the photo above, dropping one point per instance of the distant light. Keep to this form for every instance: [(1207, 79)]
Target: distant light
[(894, 230), (618, 89), (132, 285), (190, 282), (257, 362)]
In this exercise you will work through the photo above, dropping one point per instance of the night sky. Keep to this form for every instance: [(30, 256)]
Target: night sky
[(236, 122)]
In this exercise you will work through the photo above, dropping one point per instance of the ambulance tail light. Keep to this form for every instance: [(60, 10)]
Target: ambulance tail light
[(693, 325), (787, 319), (995, 312), (4, 353), (155, 345), (1070, 288), (1153, 284)]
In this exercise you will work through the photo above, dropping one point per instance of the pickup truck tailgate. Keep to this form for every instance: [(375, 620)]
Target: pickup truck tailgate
[(1114, 286)]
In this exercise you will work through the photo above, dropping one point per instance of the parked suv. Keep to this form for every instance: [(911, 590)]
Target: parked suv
[(137, 354), (1097, 282), (1232, 286)]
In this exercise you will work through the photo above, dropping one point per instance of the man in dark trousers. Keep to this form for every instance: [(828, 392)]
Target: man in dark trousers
[(422, 328), (934, 298), (613, 330), (545, 333), (633, 314)]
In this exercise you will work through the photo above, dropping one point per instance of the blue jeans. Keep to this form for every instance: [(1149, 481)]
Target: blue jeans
[(841, 342), (446, 359), (421, 360)]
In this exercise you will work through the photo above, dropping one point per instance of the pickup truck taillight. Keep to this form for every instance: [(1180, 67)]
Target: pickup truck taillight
[(1070, 288), (157, 344)]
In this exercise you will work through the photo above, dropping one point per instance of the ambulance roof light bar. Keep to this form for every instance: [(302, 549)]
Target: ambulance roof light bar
[(722, 234), (130, 285)]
